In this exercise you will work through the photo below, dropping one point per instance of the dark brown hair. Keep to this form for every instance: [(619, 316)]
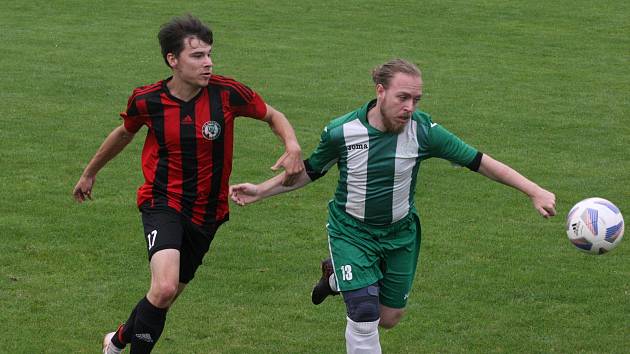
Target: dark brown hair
[(173, 34)]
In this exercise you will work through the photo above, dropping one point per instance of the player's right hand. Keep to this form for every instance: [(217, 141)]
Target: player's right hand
[(83, 189), (244, 193)]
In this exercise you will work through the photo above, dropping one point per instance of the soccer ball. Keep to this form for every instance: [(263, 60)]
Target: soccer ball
[(595, 226)]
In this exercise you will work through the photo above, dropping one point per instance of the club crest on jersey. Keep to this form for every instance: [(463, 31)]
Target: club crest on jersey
[(211, 130)]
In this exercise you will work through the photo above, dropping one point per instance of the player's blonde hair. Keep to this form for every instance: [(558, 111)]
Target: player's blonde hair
[(383, 74)]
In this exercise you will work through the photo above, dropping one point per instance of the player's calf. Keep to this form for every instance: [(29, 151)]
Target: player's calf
[(363, 312), (147, 327), (390, 316)]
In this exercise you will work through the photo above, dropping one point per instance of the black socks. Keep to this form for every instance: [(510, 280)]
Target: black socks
[(142, 329)]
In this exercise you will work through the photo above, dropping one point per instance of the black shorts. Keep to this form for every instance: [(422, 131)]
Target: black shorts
[(167, 229)]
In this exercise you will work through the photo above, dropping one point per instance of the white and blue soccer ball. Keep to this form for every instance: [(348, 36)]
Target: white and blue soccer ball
[(595, 226)]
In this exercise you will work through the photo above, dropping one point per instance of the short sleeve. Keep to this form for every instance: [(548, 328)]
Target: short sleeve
[(325, 155), (446, 145), (134, 117), (246, 102)]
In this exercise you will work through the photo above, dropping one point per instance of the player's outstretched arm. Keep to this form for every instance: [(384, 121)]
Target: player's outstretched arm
[(247, 193), (112, 146), (543, 200), (291, 160)]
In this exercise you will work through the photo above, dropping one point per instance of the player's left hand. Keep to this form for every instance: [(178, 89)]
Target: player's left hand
[(293, 165), (244, 193), (545, 202)]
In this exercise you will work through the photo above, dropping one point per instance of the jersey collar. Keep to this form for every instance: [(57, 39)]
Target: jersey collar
[(363, 112), (172, 97)]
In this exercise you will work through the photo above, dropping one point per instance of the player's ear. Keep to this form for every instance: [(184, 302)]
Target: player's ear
[(171, 59), (380, 90)]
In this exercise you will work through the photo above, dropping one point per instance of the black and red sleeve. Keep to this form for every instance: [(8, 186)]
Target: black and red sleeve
[(135, 114), (243, 100)]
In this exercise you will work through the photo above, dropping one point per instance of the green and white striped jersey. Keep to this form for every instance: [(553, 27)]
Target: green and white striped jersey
[(377, 170)]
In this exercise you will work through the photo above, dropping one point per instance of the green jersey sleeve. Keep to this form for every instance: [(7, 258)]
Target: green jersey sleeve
[(325, 155), (444, 144)]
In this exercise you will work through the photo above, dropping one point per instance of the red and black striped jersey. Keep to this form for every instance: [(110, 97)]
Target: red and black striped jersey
[(187, 154)]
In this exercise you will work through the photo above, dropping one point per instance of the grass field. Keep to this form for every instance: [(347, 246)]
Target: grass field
[(542, 86)]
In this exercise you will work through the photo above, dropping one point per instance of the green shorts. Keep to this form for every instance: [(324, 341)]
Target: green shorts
[(364, 254)]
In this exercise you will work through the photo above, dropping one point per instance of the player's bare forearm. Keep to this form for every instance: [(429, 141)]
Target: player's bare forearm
[(112, 146), (247, 193), (282, 128), (274, 186), (498, 171), (115, 142), (543, 200), (291, 160)]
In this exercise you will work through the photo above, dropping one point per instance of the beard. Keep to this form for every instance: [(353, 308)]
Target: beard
[(390, 125)]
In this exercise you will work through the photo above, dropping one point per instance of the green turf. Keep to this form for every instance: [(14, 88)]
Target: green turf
[(542, 86)]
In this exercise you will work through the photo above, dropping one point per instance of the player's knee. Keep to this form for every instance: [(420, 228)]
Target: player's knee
[(362, 305), (163, 293), (390, 318)]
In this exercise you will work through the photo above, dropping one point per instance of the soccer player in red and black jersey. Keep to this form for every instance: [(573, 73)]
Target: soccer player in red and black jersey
[(186, 162)]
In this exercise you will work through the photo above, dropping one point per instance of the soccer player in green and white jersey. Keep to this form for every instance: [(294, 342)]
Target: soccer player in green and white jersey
[(373, 226)]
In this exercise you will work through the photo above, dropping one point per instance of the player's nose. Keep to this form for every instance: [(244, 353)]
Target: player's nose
[(208, 61)]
